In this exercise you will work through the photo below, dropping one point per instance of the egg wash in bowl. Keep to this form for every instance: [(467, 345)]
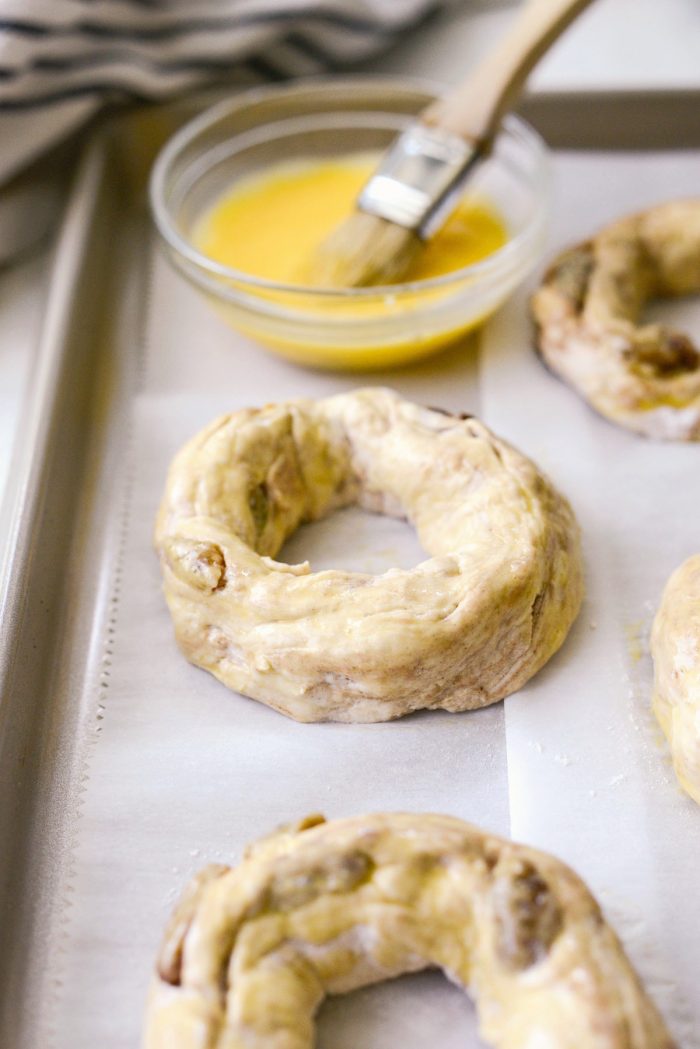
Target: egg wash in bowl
[(270, 225), (246, 192)]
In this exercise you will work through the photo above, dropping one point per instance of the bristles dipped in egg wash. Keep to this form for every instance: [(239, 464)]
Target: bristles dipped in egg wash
[(365, 250), (419, 179)]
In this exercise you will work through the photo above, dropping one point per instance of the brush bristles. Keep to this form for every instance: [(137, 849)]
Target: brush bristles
[(364, 251)]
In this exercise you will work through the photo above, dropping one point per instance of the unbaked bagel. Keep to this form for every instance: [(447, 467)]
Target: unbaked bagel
[(461, 630), (675, 648), (643, 376), (324, 908)]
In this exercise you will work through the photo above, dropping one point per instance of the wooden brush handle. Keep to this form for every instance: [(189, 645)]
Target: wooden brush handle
[(474, 110)]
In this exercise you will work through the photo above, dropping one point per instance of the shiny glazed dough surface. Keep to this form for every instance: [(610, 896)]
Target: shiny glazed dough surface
[(323, 908), (675, 647), (463, 629), (645, 377)]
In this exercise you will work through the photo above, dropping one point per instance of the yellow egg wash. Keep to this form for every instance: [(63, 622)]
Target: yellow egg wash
[(270, 225)]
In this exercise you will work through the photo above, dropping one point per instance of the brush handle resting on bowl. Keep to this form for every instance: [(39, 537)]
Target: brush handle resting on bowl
[(474, 110)]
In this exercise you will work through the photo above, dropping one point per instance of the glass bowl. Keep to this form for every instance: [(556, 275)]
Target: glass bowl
[(355, 328)]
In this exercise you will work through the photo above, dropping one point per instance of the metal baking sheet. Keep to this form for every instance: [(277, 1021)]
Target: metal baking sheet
[(123, 769)]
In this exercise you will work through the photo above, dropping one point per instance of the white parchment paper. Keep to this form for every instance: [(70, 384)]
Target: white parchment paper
[(184, 772)]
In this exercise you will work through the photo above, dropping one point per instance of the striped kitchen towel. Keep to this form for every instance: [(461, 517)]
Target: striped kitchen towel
[(61, 59)]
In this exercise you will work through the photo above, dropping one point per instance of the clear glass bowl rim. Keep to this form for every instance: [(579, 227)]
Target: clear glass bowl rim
[(182, 138)]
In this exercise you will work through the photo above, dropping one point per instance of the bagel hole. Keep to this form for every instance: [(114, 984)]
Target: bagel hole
[(414, 1012), (355, 540), (680, 315)]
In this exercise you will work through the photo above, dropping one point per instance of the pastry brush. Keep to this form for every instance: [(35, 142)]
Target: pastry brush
[(421, 177)]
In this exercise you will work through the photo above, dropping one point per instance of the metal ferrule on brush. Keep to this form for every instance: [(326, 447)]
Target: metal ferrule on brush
[(416, 178)]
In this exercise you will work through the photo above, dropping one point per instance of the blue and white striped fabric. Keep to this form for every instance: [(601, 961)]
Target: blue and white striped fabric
[(61, 59)]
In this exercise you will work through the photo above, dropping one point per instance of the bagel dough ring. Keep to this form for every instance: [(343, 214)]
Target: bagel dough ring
[(675, 648), (642, 376), (461, 630), (324, 908)]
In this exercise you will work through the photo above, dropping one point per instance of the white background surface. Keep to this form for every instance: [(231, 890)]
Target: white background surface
[(614, 45)]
